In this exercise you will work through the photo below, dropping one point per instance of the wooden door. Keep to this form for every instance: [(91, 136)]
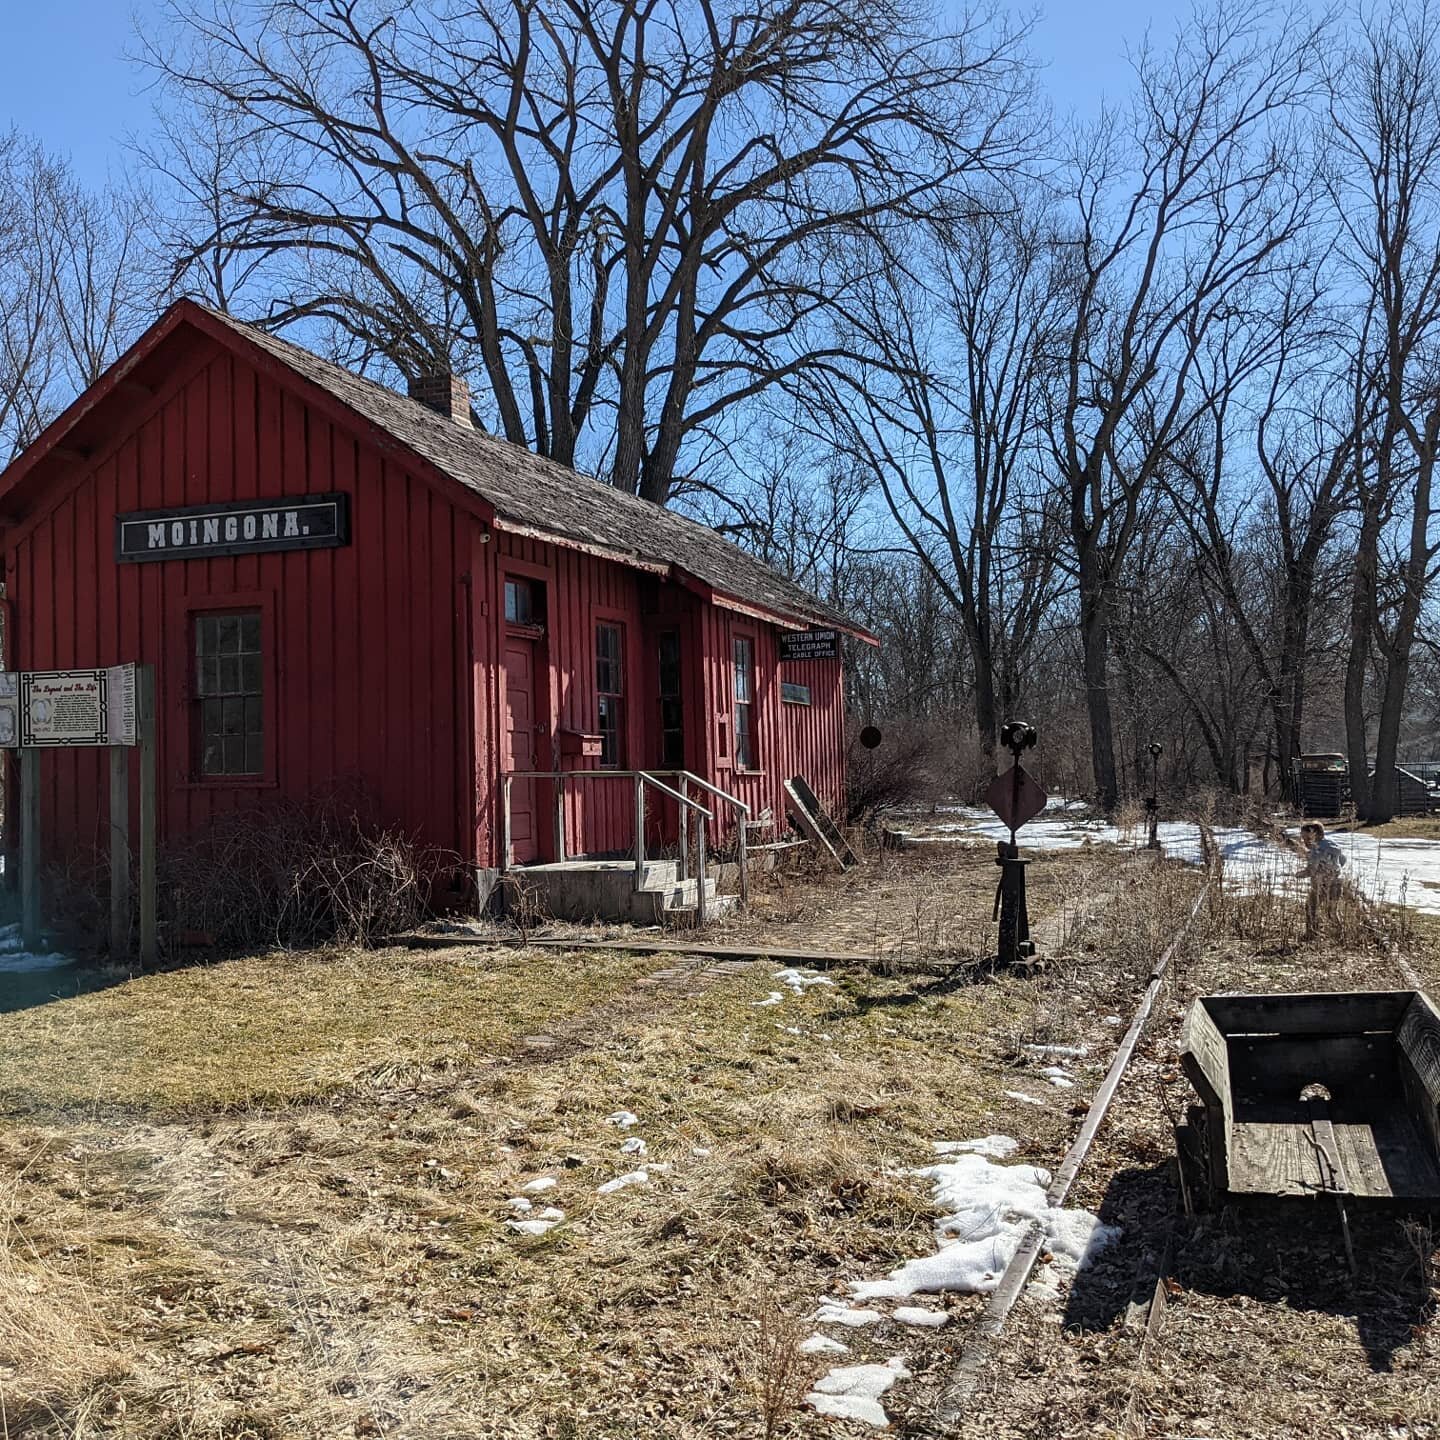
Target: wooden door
[(522, 729)]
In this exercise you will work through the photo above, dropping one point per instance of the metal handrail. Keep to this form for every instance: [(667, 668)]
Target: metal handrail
[(641, 779), (734, 800), (648, 777)]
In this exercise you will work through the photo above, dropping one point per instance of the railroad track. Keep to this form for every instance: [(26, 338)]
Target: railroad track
[(1145, 1314), (960, 1388)]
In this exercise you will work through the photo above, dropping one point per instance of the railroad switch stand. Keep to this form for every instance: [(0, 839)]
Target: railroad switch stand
[(1010, 906)]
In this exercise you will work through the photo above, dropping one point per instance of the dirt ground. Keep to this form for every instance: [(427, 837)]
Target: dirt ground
[(268, 1197)]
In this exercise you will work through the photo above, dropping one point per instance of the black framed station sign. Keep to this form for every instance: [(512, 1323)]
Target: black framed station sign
[(234, 527), (809, 644)]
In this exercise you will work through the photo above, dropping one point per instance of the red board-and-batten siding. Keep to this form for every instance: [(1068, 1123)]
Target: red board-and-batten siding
[(383, 669)]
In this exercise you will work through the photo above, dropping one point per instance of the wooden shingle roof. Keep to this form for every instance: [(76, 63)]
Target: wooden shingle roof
[(544, 498)]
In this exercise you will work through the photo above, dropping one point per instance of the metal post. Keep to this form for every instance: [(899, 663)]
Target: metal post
[(683, 872), (505, 822), (30, 847), (119, 849), (1152, 803), (744, 858), (639, 831), (145, 702), (559, 783), (1010, 904), (700, 874)]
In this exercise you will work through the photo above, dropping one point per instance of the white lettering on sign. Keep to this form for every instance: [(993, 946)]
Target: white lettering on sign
[(233, 528)]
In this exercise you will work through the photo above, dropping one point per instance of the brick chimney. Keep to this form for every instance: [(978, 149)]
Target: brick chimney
[(446, 394)]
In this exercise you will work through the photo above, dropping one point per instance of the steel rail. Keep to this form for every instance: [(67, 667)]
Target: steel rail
[(960, 1388)]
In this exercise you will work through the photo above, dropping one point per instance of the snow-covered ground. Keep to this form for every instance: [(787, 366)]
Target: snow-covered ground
[(986, 1207), (16, 960), (1405, 872), (1401, 871)]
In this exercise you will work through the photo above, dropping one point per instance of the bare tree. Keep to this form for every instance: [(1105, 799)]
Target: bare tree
[(1385, 118), (1174, 219), (73, 285), (616, 211), (940, 399)]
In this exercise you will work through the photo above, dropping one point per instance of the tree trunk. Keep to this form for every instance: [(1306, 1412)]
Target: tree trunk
[(1095, 642), (1362, 594)]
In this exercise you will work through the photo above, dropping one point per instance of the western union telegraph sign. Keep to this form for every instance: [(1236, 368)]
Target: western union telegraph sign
[(199, 532)]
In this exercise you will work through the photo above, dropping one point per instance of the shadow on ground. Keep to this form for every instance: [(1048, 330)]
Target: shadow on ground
[(1282, 1252)]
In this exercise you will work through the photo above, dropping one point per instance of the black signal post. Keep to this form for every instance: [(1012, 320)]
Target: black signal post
[(1010, 905), (1152, 802)]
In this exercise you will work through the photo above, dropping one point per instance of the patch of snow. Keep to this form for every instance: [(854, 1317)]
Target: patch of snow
[(633, 1146), (1022, 1096), (623, 1118), (621, 1182), (837, 1312), (773, 998), (1056, 1076), (1402, 870), (1112, 1020), (822, 1345), (997, 1147), (790, 1029), (699, 1150), (532, 1227), (1063, 1052), (550, 1212), (519, 1203), (23, 962), (919, 1315), (538, 1187), (852, 1392), (986, 1209), (801, 980)]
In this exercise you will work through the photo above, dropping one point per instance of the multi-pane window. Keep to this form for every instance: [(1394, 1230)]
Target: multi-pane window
[(745, 757), (229, 693), (610, 687), (672, 706)]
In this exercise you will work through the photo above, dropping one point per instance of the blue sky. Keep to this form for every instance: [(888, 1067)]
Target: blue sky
[(64, 77)]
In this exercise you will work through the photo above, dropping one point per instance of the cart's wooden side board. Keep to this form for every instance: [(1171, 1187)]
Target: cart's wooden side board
[(1206, 1062), (1418, 1044)]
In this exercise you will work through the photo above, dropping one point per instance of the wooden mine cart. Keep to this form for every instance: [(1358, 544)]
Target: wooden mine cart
[(1313, 1095)]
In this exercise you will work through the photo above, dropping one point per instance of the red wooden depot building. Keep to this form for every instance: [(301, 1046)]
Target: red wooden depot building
[(339, 583)]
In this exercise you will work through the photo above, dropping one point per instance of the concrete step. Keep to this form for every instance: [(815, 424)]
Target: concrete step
[(681, 917), (681, 896)]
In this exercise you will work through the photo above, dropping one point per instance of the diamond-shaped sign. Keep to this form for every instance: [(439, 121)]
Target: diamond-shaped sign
[(1016, 796)]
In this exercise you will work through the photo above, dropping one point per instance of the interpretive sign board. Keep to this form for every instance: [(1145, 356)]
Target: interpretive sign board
[(57, 708), (67, 709)]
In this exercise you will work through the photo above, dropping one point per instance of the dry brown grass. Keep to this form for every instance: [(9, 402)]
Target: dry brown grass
[(281, 1027), (277, 1187)]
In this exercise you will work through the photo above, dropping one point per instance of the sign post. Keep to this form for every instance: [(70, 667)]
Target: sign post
[(1015, 797), (149, 946), (1152, 801), (65, 709), (30, 847)]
